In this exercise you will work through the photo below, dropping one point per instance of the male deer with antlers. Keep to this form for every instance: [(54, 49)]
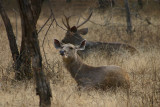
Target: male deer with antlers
[(103, 77), (73, 36)]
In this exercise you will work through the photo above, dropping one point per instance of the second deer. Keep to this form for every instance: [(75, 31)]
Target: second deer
[(73, 36)]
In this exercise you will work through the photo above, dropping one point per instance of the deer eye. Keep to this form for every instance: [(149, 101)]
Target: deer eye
[(70, 48)]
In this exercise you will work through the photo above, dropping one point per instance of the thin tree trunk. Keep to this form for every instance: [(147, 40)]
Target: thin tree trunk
[(140, 3), (30, 12), (68, 1), (106, 3), (112, 3), (128, 17), (11, 38)]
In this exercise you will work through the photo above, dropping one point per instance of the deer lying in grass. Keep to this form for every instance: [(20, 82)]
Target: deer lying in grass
[(102, 77), (73, 36)]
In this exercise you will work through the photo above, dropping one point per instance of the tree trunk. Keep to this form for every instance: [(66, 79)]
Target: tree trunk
[(106, 3), (128, 17), (29, 46), (112, 3), (22, 61), (11, 38), (30, 12), (25, 56), (68, 1), (140, 3)]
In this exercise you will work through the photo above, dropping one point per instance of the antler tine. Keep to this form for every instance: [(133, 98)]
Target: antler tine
[(78, 20), (85, 20), (67, 21), (64, 23)]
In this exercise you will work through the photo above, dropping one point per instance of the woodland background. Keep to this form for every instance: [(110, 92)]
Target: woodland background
[(107, 24)]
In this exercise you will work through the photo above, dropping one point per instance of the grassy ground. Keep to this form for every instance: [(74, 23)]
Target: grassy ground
[(143, 69)]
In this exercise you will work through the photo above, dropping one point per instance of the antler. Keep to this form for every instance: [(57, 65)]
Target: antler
[(85, 21), (64, 23), (67, 21)]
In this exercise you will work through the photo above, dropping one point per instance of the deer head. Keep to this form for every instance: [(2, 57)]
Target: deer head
[(69, 50), (73, 34)]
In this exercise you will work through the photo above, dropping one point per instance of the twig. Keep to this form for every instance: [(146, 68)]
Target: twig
[(45, 23), (54, 16), (78, 20), (95, 23), (44, 40)]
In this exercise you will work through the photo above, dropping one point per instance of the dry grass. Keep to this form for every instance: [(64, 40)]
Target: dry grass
[(143, 69)]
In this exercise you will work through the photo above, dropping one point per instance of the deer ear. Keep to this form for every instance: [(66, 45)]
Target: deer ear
[(57, 44), (74, 29), (83, 31), (82, 45)]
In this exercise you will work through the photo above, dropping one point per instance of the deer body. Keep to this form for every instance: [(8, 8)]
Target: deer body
[(97, 77), (108, 48), (102, 77)]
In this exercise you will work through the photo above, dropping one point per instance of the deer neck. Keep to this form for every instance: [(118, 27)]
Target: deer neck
[(74, 65)]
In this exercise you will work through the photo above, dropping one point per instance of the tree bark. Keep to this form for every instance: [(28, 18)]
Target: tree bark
[(30, 12), (140, 3), (68, 1), (11, 38), (25, 56), (128, 17), (106, 3)]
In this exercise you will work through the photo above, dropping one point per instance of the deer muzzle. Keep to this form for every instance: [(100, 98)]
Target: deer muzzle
[(62, 52)]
